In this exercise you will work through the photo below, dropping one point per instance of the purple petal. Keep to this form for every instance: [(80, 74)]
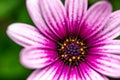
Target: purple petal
[(87, 73), (37, 18), (27, 35), (109, 46), (48, 73), (74, 74), (54, 14), (37, 57), (75, 11), (95, 19), (112, 28), (64, 73), (106, 64)]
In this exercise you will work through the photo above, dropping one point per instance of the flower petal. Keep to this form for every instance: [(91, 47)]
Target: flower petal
[(38, 19), (65, 73), (37, 57), (27, 35), (95, 19), (107, 64), (56, 71), (74, 74), (87, 73), (75, 11), (54, 14), (109, 46), (112, 28), (48, 73)]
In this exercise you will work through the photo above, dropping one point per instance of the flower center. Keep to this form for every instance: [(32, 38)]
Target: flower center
[(72, 51)]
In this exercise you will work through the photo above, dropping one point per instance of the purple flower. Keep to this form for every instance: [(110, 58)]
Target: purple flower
[(71, 42)]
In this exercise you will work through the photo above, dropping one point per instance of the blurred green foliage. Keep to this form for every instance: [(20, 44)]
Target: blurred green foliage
[(10, 68), (15, 11)]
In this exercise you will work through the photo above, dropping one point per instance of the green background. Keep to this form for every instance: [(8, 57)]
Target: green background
[(15, 11)]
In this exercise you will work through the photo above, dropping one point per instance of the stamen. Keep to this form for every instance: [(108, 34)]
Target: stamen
[(62, 47), (64, 44), (73, 57), (83, 53), (67, 40), (72, 51), (81, 43), (65, 55), (78, 42), (62, 55), (72, 40), (70, 60), (81, 49), (78, 57)]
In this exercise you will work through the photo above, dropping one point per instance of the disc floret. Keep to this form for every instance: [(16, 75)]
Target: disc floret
[(72, 51)]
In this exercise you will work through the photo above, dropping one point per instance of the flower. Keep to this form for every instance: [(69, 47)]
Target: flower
[(71, 42)]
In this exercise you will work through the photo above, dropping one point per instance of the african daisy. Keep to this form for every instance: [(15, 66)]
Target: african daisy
[(71, 42)]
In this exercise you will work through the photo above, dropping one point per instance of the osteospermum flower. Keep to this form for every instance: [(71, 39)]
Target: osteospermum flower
[(71, 42)]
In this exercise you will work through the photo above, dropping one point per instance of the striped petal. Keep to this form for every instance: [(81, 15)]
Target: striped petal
[(106, 64), (112, 28), (95, 19), (65, 72), (27, 35), (38, 19), (54, 14), (74, 74), (110, 46), (37, 57), (75, 11), (48, 73), (87, 73)]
